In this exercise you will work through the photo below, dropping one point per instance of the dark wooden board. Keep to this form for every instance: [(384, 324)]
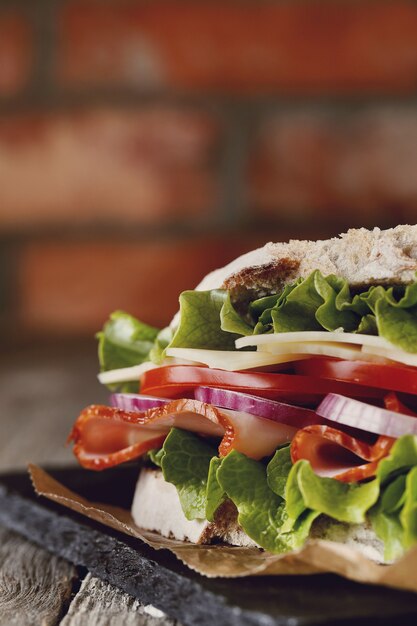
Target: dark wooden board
[(158, 578), (98, 603), (35, 586)]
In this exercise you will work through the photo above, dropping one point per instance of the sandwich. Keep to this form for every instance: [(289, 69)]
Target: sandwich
[(280, 403)]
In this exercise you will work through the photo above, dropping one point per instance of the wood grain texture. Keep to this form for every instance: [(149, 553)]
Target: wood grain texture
[(99, 604), (35, 587), (42, 390)]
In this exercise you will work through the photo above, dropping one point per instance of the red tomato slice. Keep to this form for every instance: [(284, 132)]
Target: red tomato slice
[(389, 377), (176, 381)]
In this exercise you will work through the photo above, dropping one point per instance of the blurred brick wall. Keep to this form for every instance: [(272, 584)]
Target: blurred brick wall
[(143, 144)]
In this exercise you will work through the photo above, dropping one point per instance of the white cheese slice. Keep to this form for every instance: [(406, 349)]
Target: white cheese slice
[(334, 344), (129, 374), (125, 374), (323, 348), (316, 336), (400, 356), (230, 360), (273, 349)]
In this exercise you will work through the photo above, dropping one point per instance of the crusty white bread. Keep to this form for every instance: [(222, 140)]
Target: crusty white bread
[(361, 256), (156, 506)]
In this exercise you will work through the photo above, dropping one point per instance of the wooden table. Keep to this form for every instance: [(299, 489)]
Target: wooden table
[(42, 389)]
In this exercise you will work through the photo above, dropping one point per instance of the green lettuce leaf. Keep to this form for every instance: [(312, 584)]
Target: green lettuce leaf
[(408, 515), (402, 457), (396, 324), (367, 325), (262, 513), (162, 341), (215, 495), (394, 515), (325, 303), (336, 310), (261, 309), (124, 342), (345, 502), (389, 529), (297, 311), (393, 496), (185, 463), (156, 456), (294, 497), (278, 470), (395, 310), (261, 306), (371, 297), (385, 519), (189, 462), (231, 321), (199, 325)]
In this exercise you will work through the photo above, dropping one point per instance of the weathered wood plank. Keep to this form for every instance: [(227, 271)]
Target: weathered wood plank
[(99, 604), (42, 389), (35, 587)]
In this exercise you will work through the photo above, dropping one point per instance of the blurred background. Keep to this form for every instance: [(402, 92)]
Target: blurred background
[(143, 144)]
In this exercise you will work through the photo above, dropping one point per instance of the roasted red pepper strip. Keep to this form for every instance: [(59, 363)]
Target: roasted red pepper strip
[(332, 452)]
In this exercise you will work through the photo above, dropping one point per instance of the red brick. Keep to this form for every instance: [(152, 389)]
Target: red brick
[(16, 53), (123, 167), (241, 47), (71, 288), (359, 167)]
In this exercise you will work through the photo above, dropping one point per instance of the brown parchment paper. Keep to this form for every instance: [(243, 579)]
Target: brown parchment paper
[(317, 556)]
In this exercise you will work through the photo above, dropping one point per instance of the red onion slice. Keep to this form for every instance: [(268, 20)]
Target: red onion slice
[(135, 402), (261, 407), (288, 414), (366, 417)]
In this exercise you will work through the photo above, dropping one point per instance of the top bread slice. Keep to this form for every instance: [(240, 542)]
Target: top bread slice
[(362, 257)]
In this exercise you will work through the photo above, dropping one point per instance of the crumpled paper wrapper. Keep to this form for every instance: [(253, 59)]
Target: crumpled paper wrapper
[(317, 556)]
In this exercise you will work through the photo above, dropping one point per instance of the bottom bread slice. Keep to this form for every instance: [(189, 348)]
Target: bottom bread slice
[(156, 506)]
